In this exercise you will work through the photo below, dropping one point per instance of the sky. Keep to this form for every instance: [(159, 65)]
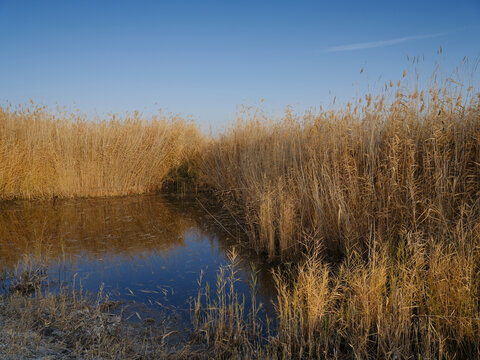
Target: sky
[(205, 59)]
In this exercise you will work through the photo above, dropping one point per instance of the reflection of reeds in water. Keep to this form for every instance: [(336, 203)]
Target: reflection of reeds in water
[(43, 156), (89, 227)]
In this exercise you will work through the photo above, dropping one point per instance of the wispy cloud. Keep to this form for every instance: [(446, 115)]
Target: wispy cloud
[(382, 43)]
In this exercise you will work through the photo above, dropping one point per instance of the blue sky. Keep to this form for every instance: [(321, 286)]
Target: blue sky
[(205, 58)]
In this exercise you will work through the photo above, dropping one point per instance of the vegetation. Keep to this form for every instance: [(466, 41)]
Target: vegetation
[(46, 156), (374, 209), (383, 201), (36, 323), (350, 178)]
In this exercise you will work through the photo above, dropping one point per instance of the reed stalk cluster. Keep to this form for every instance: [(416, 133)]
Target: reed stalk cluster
[(355, 176), (382, 201), (47, 156)]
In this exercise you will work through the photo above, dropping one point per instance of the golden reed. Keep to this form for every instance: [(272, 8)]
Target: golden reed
[(44, 156), (391, 187)]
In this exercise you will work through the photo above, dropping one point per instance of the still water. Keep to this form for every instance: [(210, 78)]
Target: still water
[(146, 251)]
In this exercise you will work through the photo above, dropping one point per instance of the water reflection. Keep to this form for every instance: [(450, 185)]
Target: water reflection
[(149, 249)]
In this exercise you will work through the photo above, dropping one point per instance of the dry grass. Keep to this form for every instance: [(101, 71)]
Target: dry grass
[(43, 156), (390, 191), (36, 323), (421, 302), (343, 178), (387, 188), (221, 319)]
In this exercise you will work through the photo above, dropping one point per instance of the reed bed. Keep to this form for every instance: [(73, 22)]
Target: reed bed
[(346, 178), (373, 210), (378, 207), (421, 302), (48, 156)]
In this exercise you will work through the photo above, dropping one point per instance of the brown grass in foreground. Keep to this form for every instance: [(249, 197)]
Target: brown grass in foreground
[(35, 323), (43, 156), (421, 302), (71, 324)]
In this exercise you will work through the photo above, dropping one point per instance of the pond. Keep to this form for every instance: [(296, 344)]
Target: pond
[(148, 252)]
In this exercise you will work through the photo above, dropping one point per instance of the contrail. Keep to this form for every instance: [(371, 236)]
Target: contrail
[(382, 43)]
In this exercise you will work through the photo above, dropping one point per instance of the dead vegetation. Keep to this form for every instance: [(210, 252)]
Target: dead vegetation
[(47, 156), (38, 323), (377, 206), (387, 194)]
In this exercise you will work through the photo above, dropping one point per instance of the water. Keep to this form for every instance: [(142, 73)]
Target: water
[(146, 251)]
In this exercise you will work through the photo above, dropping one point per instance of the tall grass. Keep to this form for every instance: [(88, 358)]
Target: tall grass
[(345, 178), (388, 191), (44, 156), (421, 302), (222, 320), (378, 204)]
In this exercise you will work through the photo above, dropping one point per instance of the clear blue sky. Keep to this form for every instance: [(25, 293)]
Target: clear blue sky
[(205, 58)]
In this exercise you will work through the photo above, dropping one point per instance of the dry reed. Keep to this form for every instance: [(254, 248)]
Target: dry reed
[(390, 185), (391, 188), (45, 156), (343, 178)]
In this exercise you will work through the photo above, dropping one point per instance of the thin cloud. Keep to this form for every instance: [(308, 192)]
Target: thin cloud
[(382, 43)]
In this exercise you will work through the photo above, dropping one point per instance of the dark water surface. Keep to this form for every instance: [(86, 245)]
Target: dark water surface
[(147, 251)]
